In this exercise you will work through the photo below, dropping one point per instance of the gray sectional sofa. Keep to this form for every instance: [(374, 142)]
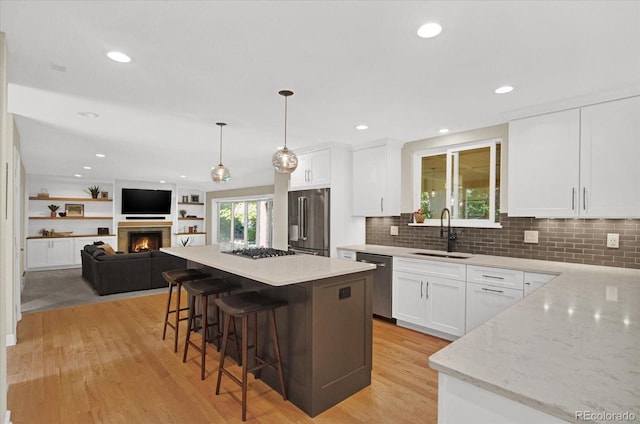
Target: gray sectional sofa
[(124, 272)]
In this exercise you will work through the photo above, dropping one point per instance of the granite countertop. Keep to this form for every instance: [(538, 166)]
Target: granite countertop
[(278, 271), (572, 345)]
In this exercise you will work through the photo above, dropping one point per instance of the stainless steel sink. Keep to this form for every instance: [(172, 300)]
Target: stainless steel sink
[(453, 255)]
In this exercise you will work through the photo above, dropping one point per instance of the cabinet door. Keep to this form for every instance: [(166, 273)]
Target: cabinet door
[(610, 154), (533, 281), (409, 297), (299, 178), (61, 252), (544, 154), (485, 302), (369, 181), (446, 305), (320, 169), (38, 253)]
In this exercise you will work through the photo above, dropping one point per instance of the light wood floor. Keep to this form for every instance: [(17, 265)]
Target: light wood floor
[(107, 363)]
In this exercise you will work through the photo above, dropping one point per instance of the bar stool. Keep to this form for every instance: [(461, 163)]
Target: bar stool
[(176, 278), (245, 305), (203, 289)]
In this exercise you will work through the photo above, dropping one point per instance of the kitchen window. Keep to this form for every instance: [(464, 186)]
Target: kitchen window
[(243, 223), (465, 179)]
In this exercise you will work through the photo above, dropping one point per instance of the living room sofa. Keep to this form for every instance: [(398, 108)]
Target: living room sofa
[(125, 272)]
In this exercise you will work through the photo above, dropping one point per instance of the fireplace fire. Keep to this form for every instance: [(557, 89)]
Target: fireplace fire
[(145, 241)]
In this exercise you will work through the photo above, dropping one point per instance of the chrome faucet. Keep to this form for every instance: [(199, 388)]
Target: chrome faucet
[(451, 236)]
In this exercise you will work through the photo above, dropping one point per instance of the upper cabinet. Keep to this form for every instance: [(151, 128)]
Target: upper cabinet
[(314, 170), (376, 179), (577, 163)]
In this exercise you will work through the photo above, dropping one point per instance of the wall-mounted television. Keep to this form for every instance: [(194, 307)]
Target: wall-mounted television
[(136, 201)]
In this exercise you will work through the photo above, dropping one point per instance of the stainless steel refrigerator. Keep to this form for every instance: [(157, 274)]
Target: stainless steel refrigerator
[(309, 221)]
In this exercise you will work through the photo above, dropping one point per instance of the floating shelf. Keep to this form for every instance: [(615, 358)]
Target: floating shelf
[(190, 203), (190, 219), (71, 199), (189, 234), (71, 236), (71, 217)]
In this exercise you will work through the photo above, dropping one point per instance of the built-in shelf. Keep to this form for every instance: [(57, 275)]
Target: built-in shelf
[(70, 236), (190, 219), (71, 199), (189, 234), (70, 217), (190, 203)]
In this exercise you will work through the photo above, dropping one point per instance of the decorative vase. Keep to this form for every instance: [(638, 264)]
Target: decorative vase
[(419, 218), (53, 214)]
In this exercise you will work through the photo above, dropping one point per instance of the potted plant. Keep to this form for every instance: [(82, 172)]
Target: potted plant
[(185, 242), (425, 209), (53, 209), (183, 213), (94, 191)]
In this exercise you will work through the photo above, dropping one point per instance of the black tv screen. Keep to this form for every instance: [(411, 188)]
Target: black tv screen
[(143, 201)]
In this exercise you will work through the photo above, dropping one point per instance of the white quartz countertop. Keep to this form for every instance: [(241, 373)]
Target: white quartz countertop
[(277, 271), (572, 345)]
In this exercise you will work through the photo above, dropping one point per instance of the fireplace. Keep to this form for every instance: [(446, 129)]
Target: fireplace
[(144, 241)]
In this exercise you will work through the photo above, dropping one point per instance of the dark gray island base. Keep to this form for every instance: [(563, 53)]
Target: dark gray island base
[(325, 331)]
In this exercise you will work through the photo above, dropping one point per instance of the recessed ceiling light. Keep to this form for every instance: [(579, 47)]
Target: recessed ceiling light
[(88, 114), (361, 127), (101, 155), (429, 30), (504, 89), (183, 176), (119, 57), (443, 130), (86, 167), (162, 181), (78, 176)]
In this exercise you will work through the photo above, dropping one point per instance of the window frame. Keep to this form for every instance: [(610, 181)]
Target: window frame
[(215, 217), (452, 184)]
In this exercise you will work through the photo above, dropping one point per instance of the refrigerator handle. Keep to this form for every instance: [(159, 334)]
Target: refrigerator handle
[(302, 218)]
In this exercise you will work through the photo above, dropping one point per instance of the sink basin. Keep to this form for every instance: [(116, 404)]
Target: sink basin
[(453, 255)]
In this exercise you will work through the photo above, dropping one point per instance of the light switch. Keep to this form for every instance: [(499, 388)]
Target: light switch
[(531, 237), (613, 240), (394, 230)]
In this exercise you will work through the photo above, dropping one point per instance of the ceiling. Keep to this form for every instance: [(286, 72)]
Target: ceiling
[(348, 63)]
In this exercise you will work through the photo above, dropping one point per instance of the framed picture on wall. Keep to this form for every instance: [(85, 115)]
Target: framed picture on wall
[(74, 209)]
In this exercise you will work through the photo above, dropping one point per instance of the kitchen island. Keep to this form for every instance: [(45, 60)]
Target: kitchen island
[(325, 330)]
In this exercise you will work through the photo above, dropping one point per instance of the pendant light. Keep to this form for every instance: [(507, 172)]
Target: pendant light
[(284, 160), (220, 174)]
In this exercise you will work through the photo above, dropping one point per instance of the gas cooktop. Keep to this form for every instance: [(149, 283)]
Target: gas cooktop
[(260, 252)]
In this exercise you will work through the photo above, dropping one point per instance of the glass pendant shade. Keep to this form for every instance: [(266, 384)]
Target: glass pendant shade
[(284, 160), (220, 173)]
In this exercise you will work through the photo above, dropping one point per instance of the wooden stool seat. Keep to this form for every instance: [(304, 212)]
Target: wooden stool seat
[(203, 288), (245, 305), (175, 278)]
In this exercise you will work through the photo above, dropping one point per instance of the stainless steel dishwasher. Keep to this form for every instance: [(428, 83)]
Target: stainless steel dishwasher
[(382, 280)]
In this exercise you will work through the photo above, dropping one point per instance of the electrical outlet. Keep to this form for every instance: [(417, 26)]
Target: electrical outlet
[(531, 237), (613, 240), (394, 230)]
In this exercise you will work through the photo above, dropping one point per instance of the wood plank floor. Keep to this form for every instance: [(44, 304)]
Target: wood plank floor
[(107, 363)]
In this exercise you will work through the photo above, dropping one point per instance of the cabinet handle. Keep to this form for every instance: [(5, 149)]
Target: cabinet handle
[(427, 290), (382, 204), (421, 284), (310, 176), (493, 276), (528, 284), (573, 198), (493, 291), (584, 198)]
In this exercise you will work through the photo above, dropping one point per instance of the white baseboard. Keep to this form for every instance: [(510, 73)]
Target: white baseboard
[(11, 340), (7, 417)]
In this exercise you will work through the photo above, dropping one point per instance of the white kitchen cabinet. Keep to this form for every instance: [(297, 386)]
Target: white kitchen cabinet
[(533, 281), (49, 252), (376, 179), (485, 301), (577, 163), (430, 295), (609, 158), (499, 277), (409, 303), (313, 171)]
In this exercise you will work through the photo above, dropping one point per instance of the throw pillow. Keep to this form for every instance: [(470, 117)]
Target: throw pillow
[(107, 248)]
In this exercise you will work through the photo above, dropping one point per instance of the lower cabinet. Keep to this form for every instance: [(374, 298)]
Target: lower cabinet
[(49, 252), (426, 300), (485, 301), (533, 281)]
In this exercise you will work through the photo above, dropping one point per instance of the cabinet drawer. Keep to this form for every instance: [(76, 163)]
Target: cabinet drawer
[(427, 267), (347, 255), (499, 277)]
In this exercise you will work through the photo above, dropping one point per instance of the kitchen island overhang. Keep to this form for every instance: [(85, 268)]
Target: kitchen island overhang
[(325, 330)]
